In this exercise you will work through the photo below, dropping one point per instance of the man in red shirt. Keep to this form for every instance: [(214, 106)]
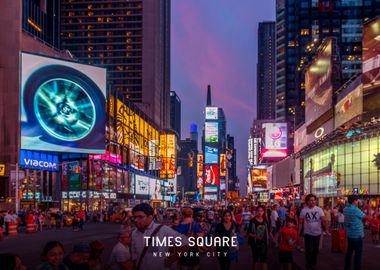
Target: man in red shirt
[(81, 216), (375, 229), (288, 239)]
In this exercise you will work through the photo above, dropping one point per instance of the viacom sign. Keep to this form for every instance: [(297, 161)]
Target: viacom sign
[(38, 161)]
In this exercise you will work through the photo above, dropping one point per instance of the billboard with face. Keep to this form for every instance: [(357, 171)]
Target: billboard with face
[(211, 132), (318, 84), (371, 69), (275, 140), (62, 105), (211, 176)]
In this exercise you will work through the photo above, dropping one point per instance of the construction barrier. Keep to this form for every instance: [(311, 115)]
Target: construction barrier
[(12, 228), (30, 227)]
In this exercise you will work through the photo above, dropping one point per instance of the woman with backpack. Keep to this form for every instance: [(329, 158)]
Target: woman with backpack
[(189, 228)]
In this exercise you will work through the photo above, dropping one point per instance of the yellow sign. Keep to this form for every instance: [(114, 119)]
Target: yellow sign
[(200, 165), (133, 131), (167, 155), (222, 164), (2, 169)]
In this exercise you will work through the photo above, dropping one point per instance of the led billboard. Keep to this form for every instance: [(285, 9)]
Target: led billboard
[(199, 165), (211, 132), (168, 155), (211, 175), (211, 113), (275, 140), (371, 69), (211, 155), (38, 161), (156, 189), (62, 105), (259, 177), (222, 165), (318, 84), (350, 105), (142, 184)]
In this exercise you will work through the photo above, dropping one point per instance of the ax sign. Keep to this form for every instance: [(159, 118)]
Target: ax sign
[(2, 169)]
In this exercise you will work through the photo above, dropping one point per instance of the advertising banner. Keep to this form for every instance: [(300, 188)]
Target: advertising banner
[(275, 140), (211, 113), (371, 69), (152, 154), (211, 155), (156, 189), (222, 165), (259, 177), (38, 161), (300, 138), (210, 197), (199, 165), (142, 184), (211, 132), (211, 176), (200, 183), (62, 105), (350, 106), (318, 83), (112, 158), (134, 131), (168, 155)]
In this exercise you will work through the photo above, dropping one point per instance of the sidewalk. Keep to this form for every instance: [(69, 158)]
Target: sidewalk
[(335, 261)]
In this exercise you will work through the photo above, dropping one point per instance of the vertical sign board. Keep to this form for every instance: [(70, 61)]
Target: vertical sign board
[(168, 155)]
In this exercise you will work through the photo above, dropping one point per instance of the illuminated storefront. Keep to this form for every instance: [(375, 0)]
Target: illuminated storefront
[(343, 169)]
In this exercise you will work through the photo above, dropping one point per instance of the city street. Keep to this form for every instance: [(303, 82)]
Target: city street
[(29, 247)]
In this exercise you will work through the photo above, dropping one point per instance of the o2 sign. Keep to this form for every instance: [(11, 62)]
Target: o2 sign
[(319, 133)]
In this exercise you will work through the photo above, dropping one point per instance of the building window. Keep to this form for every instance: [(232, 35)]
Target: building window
[(304, 32)]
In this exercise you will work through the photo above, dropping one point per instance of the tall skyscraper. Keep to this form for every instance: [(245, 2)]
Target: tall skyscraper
[(132, 40), (175, 113), (300, 26), (266, 58), (41, 19)]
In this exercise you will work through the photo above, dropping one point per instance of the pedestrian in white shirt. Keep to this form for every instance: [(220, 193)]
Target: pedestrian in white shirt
[(121, 257), (146, 253)]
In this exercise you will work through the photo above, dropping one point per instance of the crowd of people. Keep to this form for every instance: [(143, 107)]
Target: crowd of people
[(279, 227)]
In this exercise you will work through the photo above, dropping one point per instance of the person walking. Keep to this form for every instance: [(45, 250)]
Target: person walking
[(225, 229), (355, 232), (52, 257), (121, 255), (311, 220), (282, 213), (258, 239), (275, 223), (288, 239), (142, 246)]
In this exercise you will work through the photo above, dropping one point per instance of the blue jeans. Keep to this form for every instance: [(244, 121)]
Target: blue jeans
[(354, 245)]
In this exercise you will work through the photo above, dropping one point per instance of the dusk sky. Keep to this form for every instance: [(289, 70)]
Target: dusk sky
[(215, 42)]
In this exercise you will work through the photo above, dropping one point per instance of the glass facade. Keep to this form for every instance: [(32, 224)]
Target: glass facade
[(343, 167)]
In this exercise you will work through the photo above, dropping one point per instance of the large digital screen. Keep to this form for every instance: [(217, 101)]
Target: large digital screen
[(211, 132), (275, 140), (318, 84), (211, 155), (142, 184), (168, 155), (350, 105), (259, 178), (156, 189), (211, 175), (38, 161), (371, 69), (62, 105), (223, 164), (199, 165), (211, 113)]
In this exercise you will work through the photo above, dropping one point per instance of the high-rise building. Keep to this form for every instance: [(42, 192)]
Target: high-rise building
[(187, 157), (41, 19), (232, 179), (175, 113), (266, 58), (132, 40), (300, 26)]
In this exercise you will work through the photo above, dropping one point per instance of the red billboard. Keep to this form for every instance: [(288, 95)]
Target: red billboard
[(371, 69), (211, 175), (318, 83)]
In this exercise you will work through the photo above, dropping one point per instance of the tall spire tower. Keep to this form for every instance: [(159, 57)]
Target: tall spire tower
[(208, 104)]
